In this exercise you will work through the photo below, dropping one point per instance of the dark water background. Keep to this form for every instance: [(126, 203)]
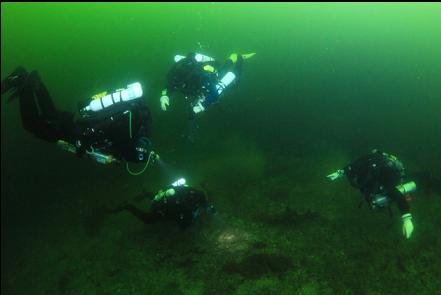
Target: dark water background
[(329, 82)]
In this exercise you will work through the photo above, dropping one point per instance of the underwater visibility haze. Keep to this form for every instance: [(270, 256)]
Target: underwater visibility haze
[(328, 83)]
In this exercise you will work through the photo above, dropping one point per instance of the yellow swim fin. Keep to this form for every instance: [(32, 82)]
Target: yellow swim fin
[(248, 55)]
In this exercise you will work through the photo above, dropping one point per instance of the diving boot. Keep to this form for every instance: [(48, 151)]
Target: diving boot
[(14, 81)]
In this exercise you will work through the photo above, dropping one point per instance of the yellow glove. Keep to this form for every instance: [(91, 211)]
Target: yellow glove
[(165, 102), (407, 225), (233, 57)]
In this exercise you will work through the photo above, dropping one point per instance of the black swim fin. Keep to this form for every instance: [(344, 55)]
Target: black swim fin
[(13, 82)]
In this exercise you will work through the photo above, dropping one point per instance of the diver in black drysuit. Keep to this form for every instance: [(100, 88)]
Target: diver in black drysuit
[(179, 203), (381, 179), (373, 174), (201, 79), (104, 135)]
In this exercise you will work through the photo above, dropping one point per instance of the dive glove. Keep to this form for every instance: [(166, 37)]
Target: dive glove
[(337, 174), (198, 108), (407, 225), (165, 101)]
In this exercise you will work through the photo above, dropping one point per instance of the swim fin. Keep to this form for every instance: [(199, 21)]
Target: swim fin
[(248, 55), (13, 82)]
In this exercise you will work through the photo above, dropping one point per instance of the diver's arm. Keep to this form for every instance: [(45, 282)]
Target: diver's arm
[(340, 173), (355, 171), (336, 175), (165, 99), (400, 200), (404, 208), (146, 217)]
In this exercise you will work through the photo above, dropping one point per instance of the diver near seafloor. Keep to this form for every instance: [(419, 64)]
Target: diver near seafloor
[(176, 202), (382, 180), (111, 127), (201, 79)]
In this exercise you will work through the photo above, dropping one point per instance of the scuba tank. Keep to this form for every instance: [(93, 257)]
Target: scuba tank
[(104, 100), (406, 188), (380, 200), (66, 146), (101, 158), (225, 81)]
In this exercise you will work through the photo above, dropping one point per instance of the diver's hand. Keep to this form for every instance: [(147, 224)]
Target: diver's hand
[(198, 108), (165, 102), (407, 225), (337, 174)]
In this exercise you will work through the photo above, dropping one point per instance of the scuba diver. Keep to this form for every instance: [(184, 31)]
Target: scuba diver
[(201, 79), (177, 202), (111, 127), (381, 179)]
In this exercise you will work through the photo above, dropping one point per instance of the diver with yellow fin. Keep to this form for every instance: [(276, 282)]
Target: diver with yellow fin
[(382, 180), (110, 128), (201, 79)]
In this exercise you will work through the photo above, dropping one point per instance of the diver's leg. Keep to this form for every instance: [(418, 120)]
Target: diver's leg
[(50, 124), (14, 81), (233, 64), (146, 217), (54, 124), (45, 103), (19, 83), (38, 113)]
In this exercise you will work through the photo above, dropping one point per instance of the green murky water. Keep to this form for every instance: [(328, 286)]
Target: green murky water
[(329, 82)]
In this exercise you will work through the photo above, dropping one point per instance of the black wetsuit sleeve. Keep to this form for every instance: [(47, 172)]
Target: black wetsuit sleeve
[(357, 172), (399, 199)]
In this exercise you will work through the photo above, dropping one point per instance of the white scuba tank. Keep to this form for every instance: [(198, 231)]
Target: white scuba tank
[(198, 57), (101, 158), (133, 91), (226, 80), (202, 58)]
